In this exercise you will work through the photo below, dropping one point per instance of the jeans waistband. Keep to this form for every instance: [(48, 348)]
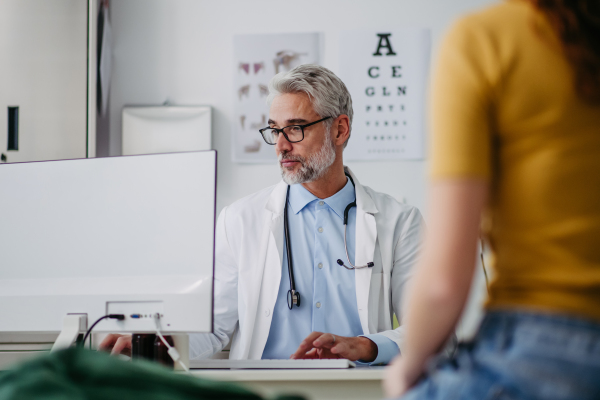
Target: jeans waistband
[(501, 329), (512, 317)]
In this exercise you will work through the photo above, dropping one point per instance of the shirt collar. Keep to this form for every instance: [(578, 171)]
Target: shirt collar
[(300, 198)]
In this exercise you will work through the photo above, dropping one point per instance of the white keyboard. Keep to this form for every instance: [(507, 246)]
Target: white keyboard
[(272, 364)]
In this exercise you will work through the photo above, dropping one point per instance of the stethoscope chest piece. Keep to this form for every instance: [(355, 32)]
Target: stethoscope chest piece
[(293, 298)]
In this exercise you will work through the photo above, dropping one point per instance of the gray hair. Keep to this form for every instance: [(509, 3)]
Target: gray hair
[(328, 94)]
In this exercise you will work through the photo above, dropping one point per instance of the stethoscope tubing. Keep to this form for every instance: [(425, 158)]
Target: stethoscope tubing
[(293, 297), (352, 266)]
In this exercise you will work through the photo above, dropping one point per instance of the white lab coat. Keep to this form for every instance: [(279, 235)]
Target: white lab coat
[(248, 266)]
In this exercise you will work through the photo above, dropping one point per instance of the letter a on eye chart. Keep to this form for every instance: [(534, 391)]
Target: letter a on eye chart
[(386, 72)]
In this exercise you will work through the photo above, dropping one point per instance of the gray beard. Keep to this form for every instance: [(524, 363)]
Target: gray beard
[(313, 167)]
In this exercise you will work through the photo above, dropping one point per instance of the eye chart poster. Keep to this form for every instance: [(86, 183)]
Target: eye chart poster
[(386, 72), (257, 58)]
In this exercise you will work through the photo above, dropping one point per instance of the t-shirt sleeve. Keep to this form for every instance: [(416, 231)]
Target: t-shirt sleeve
[(461, 112)]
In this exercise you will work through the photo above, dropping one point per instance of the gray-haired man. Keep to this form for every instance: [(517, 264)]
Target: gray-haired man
[(352, 249)]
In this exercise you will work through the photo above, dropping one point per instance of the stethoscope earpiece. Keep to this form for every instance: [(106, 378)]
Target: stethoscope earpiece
[(340, 262), (369, 265)]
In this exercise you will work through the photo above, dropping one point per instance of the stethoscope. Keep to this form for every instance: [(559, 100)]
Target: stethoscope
[(293, 296)]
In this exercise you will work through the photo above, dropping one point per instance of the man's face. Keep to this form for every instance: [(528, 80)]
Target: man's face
[(309, 159)]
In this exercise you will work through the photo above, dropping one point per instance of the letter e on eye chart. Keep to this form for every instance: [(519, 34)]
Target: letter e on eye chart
[(386, 72)]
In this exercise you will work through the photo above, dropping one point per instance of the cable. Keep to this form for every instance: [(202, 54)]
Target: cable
[(119, 317), (481, 254), (172, 351)]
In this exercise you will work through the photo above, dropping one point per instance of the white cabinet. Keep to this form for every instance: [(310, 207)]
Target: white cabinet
[(44, 72), (166, 129)]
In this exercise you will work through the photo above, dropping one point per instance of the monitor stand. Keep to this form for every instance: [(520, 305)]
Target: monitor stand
[(73, 325)]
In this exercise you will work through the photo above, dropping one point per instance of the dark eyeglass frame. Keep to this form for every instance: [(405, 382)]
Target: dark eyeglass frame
[(263, 130)]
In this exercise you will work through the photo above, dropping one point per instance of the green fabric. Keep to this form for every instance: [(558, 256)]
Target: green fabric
[(77, 374)]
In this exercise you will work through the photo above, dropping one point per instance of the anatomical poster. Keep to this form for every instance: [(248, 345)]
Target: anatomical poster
[(386, 73), (257, 58)]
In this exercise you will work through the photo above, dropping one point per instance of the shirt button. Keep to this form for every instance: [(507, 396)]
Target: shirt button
[(320, 230), (321, 203), (320, 265), (318, 305), (267, 312)]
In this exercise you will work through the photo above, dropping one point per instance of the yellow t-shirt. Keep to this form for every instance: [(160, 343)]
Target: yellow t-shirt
[(505, 110)]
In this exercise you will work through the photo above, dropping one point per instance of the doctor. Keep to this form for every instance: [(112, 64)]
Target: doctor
[(320, 307), (330, 311)]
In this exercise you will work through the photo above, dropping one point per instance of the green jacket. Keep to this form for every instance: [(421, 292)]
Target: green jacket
[(77, 374)]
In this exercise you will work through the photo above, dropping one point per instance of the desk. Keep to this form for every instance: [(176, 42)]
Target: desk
[(362, 383), (355, 383)]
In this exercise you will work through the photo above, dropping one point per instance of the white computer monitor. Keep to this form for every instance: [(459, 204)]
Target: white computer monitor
[(130, 235)]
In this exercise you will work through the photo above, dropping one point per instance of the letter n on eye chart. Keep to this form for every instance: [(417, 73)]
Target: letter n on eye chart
[(257, 58), (386, 72)]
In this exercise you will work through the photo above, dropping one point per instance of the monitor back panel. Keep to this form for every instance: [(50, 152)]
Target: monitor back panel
[(97, 235)]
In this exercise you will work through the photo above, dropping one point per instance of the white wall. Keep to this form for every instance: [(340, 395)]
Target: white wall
[(181, 50)]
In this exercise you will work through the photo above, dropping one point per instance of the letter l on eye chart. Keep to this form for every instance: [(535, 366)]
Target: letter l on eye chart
[(386, 72)]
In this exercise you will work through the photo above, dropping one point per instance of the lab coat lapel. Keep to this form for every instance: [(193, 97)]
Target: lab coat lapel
[(366, 236), (270, 259), (276, 206)]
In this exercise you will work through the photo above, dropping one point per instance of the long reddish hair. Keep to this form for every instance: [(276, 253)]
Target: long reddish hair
[(577, 23)]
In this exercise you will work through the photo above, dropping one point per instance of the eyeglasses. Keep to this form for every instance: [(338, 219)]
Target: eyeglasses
[(293, 133)]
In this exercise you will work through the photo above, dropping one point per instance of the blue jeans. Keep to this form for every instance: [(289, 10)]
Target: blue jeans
[(520, 355)]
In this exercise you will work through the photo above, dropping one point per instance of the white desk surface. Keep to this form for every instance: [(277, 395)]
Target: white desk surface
[(245, 375), (362, 383)]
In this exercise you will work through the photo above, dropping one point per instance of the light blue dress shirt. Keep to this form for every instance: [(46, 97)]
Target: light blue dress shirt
[(327, 290)]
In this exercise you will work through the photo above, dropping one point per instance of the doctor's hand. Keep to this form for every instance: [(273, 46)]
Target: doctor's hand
[(116, 344), (328, 345)]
